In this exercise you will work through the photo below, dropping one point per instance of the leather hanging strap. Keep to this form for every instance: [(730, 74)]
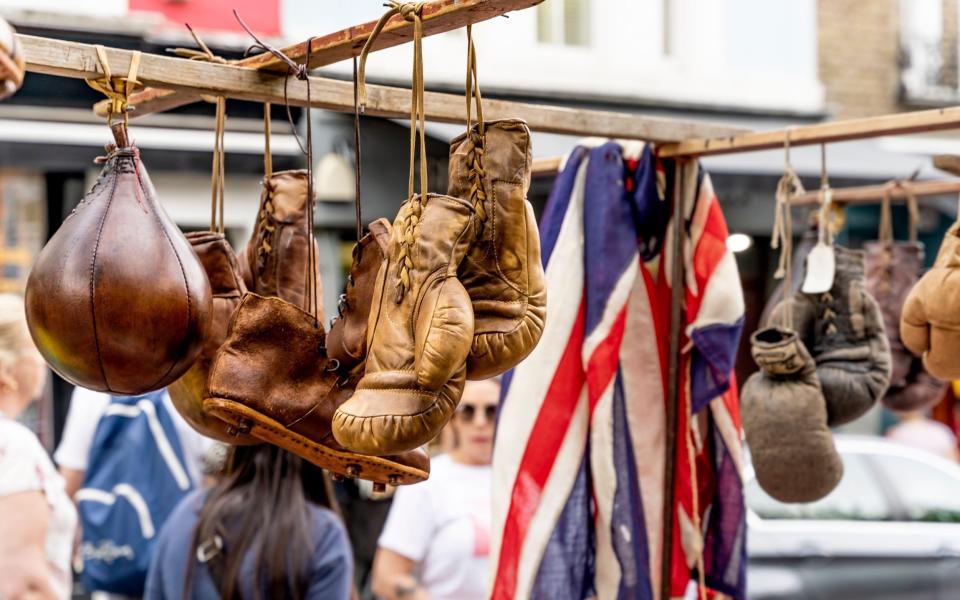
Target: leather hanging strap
[(407, 229), (782, 235), (301, 72), (117, 90), (218, 177), (267, 156), (885, 233), (356, 153), (478, 193)]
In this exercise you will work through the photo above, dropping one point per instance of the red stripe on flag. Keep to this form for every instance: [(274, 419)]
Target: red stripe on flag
[(541, 451), (602, 364)]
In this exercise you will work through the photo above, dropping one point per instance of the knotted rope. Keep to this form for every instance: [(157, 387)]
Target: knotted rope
[(782, 234)]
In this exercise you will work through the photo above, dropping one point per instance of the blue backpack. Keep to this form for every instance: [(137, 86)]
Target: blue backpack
[(135, 477)]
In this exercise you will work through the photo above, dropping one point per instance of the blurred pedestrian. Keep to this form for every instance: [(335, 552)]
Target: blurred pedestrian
[(267, 529), (436, 541), (917, 430), (37, 518)]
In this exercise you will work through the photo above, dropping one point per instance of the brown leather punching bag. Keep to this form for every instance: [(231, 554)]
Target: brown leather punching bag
[(117, 301)]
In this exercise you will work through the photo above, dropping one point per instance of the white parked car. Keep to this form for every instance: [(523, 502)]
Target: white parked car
[(889, 531)]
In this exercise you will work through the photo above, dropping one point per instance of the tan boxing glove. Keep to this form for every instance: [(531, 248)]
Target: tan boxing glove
[(502, 272), (420, 332), (930, 323)]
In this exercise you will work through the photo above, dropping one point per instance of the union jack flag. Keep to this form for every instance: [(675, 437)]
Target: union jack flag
[(578, 467)]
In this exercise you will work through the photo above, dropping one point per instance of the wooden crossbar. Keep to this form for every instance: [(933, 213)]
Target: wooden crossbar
[(820, 133), (73, 59), (871, 194), (438, 16)]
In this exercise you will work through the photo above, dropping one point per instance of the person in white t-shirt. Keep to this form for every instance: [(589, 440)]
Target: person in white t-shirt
[(436, 541), (37, 519), (86, 408)]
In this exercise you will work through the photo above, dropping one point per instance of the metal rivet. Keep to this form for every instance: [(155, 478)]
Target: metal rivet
[(394, 479), (353, 470), (379, 487)]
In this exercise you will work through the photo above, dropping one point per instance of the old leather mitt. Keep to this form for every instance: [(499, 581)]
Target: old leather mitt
[(347, 339), (188, 392), (420, 332), (785, 421), (843, 329), (274, 261), (271, 379), (117, 301), (502, 272), (930, 323), (892, 269)]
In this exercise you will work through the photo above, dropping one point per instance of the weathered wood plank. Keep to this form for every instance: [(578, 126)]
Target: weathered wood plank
[(72, 59), (438, 17), (820, 133)]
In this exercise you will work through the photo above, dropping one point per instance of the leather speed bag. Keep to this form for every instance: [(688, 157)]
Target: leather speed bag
[(117, 301)]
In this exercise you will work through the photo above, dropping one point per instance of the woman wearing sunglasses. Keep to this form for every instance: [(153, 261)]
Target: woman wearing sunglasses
[(436, 540)]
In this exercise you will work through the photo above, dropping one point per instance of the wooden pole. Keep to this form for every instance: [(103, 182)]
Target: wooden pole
[(871, 194), (438, 16), (820, 133), (72, 59), (673, 378)]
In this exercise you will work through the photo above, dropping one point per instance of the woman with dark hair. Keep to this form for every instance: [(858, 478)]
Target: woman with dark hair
[(268, 529)]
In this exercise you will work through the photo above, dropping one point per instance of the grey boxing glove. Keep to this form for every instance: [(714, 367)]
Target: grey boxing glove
[(785, 420), (843, 329)]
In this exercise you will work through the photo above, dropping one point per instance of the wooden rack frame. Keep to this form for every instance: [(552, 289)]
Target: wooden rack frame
[(177, 81)]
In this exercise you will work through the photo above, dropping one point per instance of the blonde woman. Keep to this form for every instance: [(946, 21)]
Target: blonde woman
[(37, 519), (436, 540)]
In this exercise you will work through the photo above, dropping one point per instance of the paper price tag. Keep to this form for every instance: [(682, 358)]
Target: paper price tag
[(821, 266)]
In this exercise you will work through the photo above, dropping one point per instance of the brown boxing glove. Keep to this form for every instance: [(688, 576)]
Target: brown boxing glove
[(188, 392), (274, 262), (420, 332), (347, 340), (502, 272)]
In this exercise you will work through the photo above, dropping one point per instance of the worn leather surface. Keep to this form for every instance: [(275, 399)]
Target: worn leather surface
[(273, 361), (502, 272), (188, 392), (347, 340), (930, 323), (892, 269), (785, 421), (843, 329), (117, 301), (274, 261), (417, 343)]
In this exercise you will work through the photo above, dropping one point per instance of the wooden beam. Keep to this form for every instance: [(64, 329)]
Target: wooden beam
[(72, 59), (947, 162), (820, 133), (870, 194), (547, 167), (439, 16)]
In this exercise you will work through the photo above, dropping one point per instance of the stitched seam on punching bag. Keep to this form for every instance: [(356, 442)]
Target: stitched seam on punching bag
[(93, 272), (183, 274)]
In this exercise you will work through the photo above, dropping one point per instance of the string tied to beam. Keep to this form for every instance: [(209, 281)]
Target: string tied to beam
[(782, 234), (117, 89)]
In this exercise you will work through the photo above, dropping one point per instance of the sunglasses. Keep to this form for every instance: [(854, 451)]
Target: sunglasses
[(467, 412)]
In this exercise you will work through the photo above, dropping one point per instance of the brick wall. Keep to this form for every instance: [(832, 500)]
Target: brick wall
[(858, 56)]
